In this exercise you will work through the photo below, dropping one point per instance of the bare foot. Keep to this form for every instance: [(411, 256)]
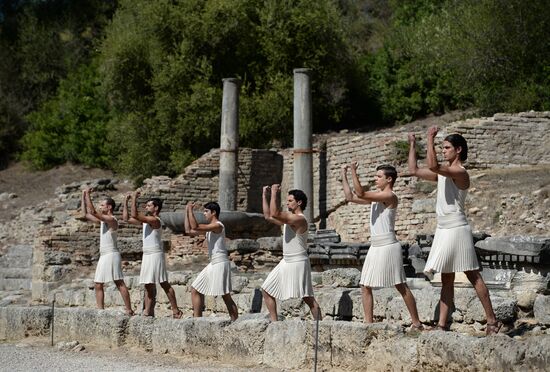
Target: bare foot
[(177, 315)]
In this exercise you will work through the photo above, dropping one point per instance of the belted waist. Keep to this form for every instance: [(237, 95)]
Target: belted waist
[(383, 239), (218, 258), (152, 250), (107, 250), (451, 220), (295, 257)]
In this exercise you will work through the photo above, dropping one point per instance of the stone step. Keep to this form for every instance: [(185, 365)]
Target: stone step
[(14, 284), (16, 273), (17, 256)]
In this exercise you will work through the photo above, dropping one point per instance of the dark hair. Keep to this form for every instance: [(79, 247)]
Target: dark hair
[(110, 202), (299, 195), (214, 207), (389, 171), (156, 202), (458, 141)]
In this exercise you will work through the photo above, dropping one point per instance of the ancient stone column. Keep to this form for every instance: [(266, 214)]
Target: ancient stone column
[(303, 157), (229, 145)]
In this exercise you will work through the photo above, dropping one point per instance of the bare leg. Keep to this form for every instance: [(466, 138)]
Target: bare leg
[(171, 294), (408, 297), (446, 298), (197, 299), (368, 303), (271, 305), (314, 307), (150, 299), (483, 293), (125, 296), (99, 296), (231, 307)]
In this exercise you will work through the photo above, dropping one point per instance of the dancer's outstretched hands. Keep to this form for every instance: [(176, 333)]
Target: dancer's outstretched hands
[(127, 196), (412, 137), (264, 190), (432, 131), (190, 205), (354, 165), (275, 188)]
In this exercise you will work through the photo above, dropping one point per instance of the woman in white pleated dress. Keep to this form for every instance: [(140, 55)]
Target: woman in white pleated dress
[(291, 278), (109, 267), (215, 278), (383, 266), (453, 247)]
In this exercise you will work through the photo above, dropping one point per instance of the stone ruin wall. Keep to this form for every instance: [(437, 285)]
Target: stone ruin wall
[(502, 141), (66, 247)]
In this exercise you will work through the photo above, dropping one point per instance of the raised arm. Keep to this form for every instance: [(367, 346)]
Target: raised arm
[(84, 207), (201, 228), (367, 197), (297, 221), (266, 207), (454, 170), (141, 218), (350, 197), (414, 170), (125, 215), (187, 225)]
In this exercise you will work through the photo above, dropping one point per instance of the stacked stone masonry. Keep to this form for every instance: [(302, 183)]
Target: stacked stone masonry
[(67, 247)]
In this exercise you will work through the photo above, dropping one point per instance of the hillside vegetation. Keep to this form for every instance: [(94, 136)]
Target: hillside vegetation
[(135, 85)]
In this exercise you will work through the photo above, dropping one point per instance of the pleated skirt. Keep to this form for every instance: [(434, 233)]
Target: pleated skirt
[(109, 268), (383, 266), (289, 280), (153, 268), (452, 251), (214, 279)]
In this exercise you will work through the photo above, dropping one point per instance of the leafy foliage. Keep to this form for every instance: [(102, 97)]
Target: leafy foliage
[(70, 126)]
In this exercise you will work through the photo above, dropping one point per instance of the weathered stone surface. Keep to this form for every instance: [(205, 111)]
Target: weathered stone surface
[(243, 341), (298, 338), (20, 322), (243, 246), (350, 341), (254, 341), (526, 300), (456, 352), (102, 327), (342, 277), (533, 280), (140, 332), (517, 245), (271, 243), (170, 335), (505, 310), (541, 309), (239, 283)]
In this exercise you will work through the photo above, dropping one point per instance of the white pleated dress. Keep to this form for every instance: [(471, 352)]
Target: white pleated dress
[(453, 245), (383, 266), (291, 278), (109, 266), (215, 278), (153, 264)]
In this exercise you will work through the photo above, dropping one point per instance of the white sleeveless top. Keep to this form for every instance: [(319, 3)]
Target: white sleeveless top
[(450, 199), (450, 204), (107, 238), (382, 219), (152, 238), (216, 242), (294, 243)]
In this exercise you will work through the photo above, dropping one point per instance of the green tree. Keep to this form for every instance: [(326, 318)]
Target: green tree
[(164, 61), (72, 126)]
